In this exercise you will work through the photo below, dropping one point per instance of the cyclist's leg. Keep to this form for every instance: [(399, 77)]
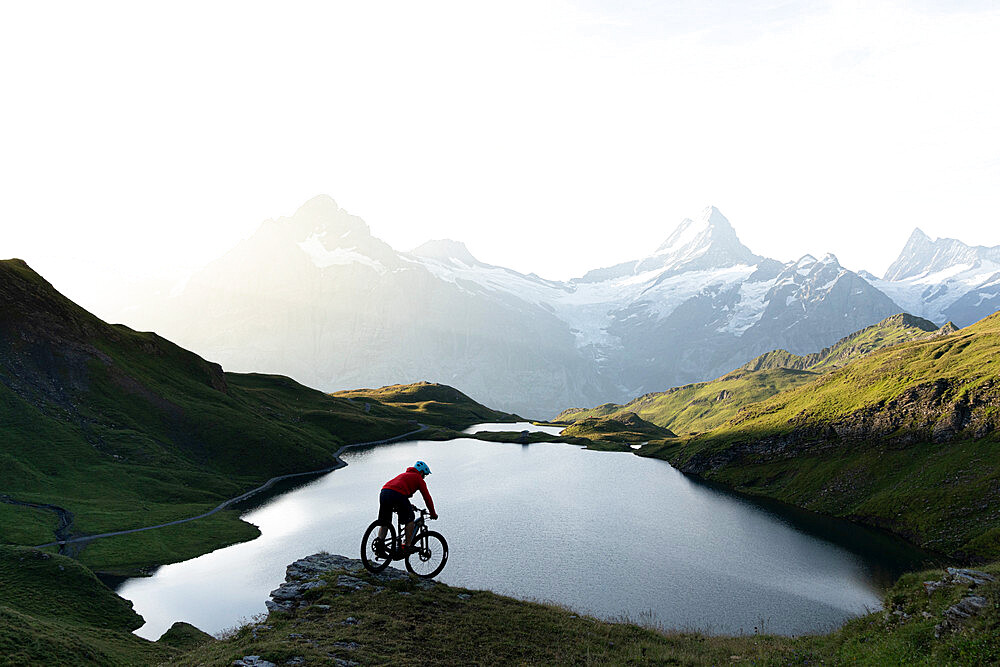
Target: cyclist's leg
[(406, 519), (408, 540), (386, 503)]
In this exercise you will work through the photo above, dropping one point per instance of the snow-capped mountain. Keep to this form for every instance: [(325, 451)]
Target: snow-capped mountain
[(944, 280), (317, 297)]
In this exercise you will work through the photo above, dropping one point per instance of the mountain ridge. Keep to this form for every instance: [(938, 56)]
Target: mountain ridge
[(703, 406), (316, 297)]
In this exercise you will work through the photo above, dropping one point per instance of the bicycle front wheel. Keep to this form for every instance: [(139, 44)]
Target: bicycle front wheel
[(429, 556), (376, 554)]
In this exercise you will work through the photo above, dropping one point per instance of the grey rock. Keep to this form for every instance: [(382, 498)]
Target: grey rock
[(959, 576), (350, 620), (464, 596), (349, 646), (253, 661), (297, 660), (957, 614), (967, 608), (345, 663), (355, 584), (287, 591), (305, 574), (405, 593), (287, 605), (970, 576), (313, 566), (931, 586), (295, 635)]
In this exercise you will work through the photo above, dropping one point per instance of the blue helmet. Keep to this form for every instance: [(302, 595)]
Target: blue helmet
[(422, 468)]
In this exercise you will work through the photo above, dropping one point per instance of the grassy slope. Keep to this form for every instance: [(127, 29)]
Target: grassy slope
[(125, 429), (55, 611), (904, 438), (702, 406), (431, 403), (628, 428), (893, 330), (407, 625)]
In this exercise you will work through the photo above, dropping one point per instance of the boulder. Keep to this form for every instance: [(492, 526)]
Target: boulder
[(305, 574)]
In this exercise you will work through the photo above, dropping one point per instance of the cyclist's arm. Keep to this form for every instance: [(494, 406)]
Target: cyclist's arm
[(427, 497)]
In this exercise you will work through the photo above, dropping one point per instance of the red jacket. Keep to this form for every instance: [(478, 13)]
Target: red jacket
[(409, 483)]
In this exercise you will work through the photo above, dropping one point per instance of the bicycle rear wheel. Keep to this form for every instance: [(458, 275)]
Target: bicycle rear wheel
[(376, 554), (429, 557)]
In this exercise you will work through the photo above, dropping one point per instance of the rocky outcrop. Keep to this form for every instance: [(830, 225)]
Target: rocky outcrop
[(973, 604), (336, 572), (935, 411)]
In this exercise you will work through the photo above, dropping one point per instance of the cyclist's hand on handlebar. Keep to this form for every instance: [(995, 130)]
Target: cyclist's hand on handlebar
[(434, 516)]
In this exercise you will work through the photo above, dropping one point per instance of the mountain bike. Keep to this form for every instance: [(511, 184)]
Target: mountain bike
[(426, 558)]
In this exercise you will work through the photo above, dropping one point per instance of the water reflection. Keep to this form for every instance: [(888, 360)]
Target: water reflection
[(604, 533)]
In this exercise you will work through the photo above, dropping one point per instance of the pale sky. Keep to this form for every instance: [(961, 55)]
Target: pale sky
[(551, 136)]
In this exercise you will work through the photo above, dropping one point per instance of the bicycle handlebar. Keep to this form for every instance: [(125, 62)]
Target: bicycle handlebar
[(423, 512)]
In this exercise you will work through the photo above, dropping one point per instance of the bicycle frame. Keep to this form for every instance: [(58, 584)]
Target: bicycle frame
[(419, 525)]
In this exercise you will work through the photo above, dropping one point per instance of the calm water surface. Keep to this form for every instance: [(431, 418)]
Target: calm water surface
[(608, 534)]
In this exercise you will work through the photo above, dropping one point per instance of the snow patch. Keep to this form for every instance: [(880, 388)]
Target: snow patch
[(324, 258), (950, 284), (750, 308)]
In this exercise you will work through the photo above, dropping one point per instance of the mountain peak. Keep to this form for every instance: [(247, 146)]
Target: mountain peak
[(706, 242), (710, 223), (922, 256), (318, 206), (446, 250), (322, 217)]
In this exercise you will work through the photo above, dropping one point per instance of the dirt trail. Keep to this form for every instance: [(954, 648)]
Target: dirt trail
[(63, 534), (63, 531)]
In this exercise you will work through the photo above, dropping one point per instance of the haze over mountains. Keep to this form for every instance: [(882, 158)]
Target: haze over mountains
[(317, 297)]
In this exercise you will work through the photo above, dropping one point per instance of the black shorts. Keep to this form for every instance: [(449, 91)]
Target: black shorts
[(390, 501)]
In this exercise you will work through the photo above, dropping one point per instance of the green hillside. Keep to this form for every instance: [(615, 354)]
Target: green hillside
[(900, 328), (410, 623), (431, 403), (123, 429), (699, 407), (904, 438), (621, 427), (55, 611)]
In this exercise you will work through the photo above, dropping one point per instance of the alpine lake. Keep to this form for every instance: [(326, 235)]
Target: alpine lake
[(607, 534)]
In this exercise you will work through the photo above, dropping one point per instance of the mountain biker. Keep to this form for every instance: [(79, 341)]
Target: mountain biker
[(395, 496)]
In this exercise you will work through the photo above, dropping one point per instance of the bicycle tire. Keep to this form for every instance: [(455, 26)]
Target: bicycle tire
[(432, 552), (372, 561)]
